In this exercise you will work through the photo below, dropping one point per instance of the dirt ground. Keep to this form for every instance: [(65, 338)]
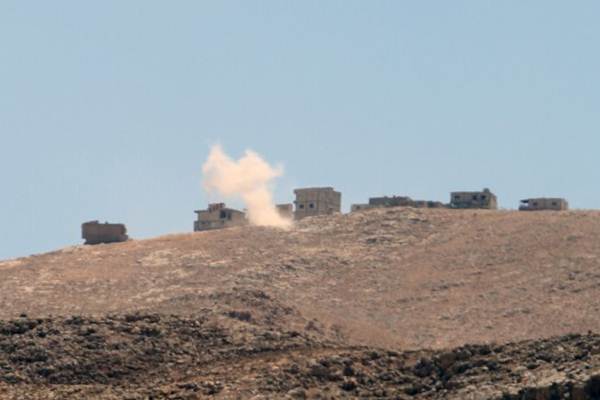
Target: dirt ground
[(397, 282)]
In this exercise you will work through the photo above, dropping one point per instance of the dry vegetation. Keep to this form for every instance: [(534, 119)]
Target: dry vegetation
[(345, 305)]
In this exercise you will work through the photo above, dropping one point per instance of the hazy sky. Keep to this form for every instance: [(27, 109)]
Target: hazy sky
[(108, 108)]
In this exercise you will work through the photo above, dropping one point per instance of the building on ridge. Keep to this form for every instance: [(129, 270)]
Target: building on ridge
[(217, 216), (544, 203), (484, 199), (285, 210), (361, 206), (95, 233), (396, 201), (403, 201), (316, 201)]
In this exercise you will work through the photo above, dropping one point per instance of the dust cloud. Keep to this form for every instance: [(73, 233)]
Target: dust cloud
[(248, 178)]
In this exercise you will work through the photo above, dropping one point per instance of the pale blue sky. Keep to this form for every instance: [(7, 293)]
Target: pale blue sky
[(108, 108)]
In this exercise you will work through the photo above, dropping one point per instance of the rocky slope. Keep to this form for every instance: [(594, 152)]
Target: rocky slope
[(141, 356), (262, 311)]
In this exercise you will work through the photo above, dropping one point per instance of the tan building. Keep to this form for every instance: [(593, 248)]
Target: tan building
[(544, 203), (484, 199), (403, 201), (317, 201), (363, 206), (95, 233), (396, 201), (286, 210), (217, 216)]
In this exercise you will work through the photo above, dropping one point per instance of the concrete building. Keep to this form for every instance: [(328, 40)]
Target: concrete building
[(403, 201), (427, 204), (95, 233), (484, 199), (217, 216), (286, 210), (396, 201), (317, 201), (544, 203), (363, 206)]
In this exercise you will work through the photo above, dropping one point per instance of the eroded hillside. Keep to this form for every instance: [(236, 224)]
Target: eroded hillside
[(207, 355), (400, 277), (390, 303)]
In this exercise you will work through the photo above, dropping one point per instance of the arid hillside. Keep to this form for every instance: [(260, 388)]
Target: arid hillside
[(398, 278)]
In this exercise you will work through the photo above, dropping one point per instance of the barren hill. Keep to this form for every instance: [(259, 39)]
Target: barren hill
[(393, 280), (401, 277)]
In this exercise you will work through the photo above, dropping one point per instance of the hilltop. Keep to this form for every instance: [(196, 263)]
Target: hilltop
[(395, 281), (402, 277)]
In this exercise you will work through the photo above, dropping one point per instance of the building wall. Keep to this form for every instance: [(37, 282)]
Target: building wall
[(218, 218), (316, 201), (538, 204), (96, 233), (286, 210), (391, 201), (359, 207), (427, 204), (484, 199)]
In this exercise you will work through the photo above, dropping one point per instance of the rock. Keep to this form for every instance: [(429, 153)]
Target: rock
[(349, 385), (445, 360), (244, 316), (348, 371), (140, 356), (297, 393), (319, 371), (423, 368)]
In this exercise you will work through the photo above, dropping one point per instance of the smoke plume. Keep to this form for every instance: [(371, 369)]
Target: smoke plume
[(248, 178)]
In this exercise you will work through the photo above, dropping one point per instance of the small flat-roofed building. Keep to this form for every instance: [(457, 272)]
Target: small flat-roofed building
[(484, 199), (427, 204), (359, 207), (217, 216), (403, 201), (544, 203), (95, 233), (316, 201), (286, 210), (396, 201)]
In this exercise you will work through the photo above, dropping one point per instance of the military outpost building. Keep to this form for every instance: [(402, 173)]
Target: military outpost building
[(317, 201), (484, 199), (544, 203), (95, 233), (362, 206), (217, 216), (285, 210), (396, 201)]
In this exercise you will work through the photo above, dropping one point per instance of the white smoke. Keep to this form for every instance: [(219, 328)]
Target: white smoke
[(248, 178)]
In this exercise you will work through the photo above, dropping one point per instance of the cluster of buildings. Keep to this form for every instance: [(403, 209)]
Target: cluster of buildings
[(315, 201), (309, 202), (325, 200)]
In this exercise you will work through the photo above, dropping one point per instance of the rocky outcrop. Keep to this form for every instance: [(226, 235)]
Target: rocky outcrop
[(142, 355)]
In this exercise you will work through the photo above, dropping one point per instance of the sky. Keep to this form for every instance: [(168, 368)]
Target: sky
[(109, 109)]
